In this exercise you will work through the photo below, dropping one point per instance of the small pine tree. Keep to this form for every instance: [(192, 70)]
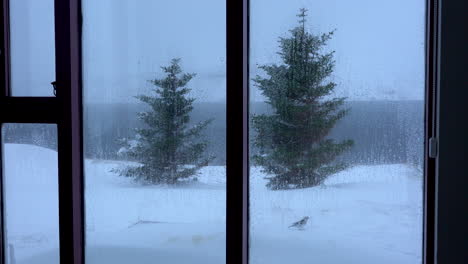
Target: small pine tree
[(167, 149), (292, 142)]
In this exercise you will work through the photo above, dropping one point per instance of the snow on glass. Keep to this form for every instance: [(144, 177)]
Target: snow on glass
[(367, 208)]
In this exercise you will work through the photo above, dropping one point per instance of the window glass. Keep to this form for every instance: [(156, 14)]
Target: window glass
[(30, 184), (337, 128), (154, 131), (32, 41)]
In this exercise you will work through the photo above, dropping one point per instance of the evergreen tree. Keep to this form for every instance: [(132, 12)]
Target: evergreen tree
[(292, 142), (168, 149)]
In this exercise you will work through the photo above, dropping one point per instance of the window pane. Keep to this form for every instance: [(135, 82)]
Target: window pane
[(32, 47), (30, 181), (337, 128), (155, 182)]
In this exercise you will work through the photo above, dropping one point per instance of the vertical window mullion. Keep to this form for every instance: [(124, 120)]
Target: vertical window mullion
[(451, 130), (237, 166), (5, 49), (429, 180), (2, 226), (4, 92), (70, 147)]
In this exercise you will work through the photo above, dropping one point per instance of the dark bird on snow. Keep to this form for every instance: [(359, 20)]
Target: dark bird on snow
[(300, 224)]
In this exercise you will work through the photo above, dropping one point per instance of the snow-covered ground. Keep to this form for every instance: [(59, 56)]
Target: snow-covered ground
[(366, 214)]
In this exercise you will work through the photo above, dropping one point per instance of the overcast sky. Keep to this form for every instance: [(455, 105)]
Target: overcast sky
[(379, 44)]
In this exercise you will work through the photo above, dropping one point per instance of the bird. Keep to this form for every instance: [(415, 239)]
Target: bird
[(301, 223)]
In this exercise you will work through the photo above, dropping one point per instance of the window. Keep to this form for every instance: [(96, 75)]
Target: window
[(32, 47), (101, 47), (31, 192), (129, 218), (337, 131)]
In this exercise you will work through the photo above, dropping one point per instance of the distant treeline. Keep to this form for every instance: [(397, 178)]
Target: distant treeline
[(383, 131)]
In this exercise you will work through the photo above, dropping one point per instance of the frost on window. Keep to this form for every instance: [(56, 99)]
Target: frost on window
[(337, 107)]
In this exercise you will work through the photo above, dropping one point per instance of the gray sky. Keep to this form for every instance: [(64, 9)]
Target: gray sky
[(379, 44)]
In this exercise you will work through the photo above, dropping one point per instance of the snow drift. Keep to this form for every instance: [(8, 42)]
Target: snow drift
[(366, 214)]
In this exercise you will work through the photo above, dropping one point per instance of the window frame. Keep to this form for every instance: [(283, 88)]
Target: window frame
[(237, 131), (66, 111), (451, 130)]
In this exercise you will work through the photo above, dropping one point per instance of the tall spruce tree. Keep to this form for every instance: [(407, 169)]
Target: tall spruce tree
[(168, 149), (293, 144)]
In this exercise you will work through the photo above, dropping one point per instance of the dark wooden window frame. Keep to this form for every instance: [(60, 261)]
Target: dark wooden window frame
[(65, 110)]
